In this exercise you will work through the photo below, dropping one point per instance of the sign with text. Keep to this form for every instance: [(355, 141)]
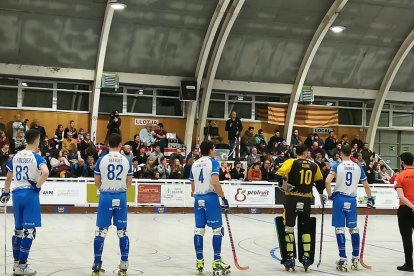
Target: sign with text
[(63, 193), (252, 195), (173, 194), (143, 121), (322, 130), (149, 194)]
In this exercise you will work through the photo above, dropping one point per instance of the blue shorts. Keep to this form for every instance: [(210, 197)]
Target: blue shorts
[(207, 210), (26, 209), (344, 211), (110, 206)]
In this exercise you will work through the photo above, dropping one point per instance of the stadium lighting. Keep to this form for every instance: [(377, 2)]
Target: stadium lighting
[(240, 98), (337, 29), (141, 92), (117, 5), (25, 84)]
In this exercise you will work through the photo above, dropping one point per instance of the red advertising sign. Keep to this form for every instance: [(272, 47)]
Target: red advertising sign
[(149, 193)]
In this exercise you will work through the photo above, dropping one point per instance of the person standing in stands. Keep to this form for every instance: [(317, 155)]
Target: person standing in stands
[(233, 127), (114, 124), (36, 126)]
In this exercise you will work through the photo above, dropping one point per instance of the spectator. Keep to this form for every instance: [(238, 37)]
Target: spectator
[(337, 149), (187, 168), (254, 173), (309, 141), (142, 156), (360, 161), (248, 140), (60, 164), (378, 174), (157, 155), (79, 169), (295, 140), (146, 135), (127, 153), (233, 127), (81, 135), (237, 172), (283, 147), (148, 171), (260, 137), (36, 125), (161, 136), (315, 149), (2, 125), (135, 145), (164, 169), (385, 176), (268, 172), (19, 143), (46, 150), (344, 140), (367, 154), (336, 159), (354, 157), (195, 154), (176, 155), (4, 158), (253, 158), (3, 138), (90, 167), (135, 168), (357, 141), (59, 136), (262, 150), (354, 148), (69, 144), (224, 174), (330, 143), (274, 141), (71, 128), (370, 172), (316, 138), (114, 124), (280, 159), (177, 170), (87, 147), (19, 125), (392, 179), (309, 156)]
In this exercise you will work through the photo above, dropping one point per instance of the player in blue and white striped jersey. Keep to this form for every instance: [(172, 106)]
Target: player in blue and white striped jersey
[(206, 189), (113, 176), (29, 171)]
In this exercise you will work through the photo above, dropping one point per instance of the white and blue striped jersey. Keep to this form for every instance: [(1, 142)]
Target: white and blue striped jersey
[(201, 172), (348, 175), (25, 167), (113, 169)]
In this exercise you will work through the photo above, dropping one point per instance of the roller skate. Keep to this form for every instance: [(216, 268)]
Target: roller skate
[(15, 264), (200, 267), (290, 264), (24, 269), (123, 267), (97, 269), (355, 263), (220, 267), (341, 265), (306, 262)]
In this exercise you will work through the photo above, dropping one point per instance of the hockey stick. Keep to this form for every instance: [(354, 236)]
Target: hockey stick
[(361, 256), (5, 237), (321, 241), (236, 263)]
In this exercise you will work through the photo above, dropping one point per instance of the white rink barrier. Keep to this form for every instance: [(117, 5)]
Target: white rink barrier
[(177, 193)]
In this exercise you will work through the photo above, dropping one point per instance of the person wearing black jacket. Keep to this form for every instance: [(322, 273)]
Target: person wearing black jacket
[(237, 172), (274, 141), (233, 127), (36, 125), (114, 123), (330, 143), (268, 172)]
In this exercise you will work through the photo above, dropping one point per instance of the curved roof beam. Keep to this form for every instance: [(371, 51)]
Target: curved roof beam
[(215, 59), (201, 66), (385, 86), (313, 47), (103, 42)]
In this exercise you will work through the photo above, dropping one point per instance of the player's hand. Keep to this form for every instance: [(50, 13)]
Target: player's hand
[(225, 206), (35, 188), (370, 202), (5, 197), (323, 198)]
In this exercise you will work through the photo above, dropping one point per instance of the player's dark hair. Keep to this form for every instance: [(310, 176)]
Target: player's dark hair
[(205, 147), (346, 150), (31, 135), (114, 140), (300, 149), (407, 158), (250, 128)]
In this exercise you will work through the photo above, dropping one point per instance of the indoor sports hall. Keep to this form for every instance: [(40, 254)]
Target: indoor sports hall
[(276, 101)]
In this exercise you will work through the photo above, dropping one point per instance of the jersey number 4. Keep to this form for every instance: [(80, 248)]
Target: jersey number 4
[(201, 177), (114, 172)]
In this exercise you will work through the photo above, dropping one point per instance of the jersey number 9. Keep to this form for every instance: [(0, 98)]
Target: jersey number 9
[(348, 179), (22, 173), (305, 177), (112, 170)]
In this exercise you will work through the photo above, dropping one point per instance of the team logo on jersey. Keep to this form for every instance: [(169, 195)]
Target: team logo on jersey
[(240, 195)]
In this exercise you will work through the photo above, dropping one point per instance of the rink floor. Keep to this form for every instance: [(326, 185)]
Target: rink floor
[(162, 244)]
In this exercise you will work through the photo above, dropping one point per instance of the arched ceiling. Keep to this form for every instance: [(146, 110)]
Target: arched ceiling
[(164, 37)]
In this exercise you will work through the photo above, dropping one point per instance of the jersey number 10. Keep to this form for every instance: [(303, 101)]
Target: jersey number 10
[(305, 177)]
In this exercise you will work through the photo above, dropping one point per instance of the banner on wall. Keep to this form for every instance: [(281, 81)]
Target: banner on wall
[(305, 116), (92, 193), (149, 194), (173, 194), (252, 195), (63, 193), (143, 121)]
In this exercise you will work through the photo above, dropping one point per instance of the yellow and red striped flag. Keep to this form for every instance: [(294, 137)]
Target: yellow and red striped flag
[(306, 116)]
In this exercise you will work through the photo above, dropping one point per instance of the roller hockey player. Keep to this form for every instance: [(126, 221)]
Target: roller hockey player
[(29, 171), (206, 189), (344, 208), (113, 176), (298, 176)]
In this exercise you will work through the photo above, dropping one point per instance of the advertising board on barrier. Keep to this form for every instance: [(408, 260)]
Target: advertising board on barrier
[(251, 195), (63, 193), (173, 194), (93, 193), (149, 194)]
